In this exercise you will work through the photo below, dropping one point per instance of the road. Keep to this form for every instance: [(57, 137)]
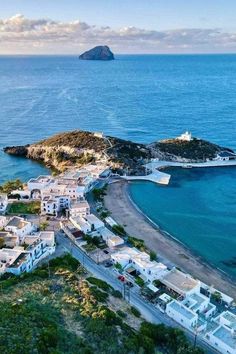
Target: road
[(148, 310)]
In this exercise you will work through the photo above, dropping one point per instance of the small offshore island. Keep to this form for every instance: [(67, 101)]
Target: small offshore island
[(98, 53), (86, 198)]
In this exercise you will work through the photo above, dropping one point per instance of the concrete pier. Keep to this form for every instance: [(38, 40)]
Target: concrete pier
[(160, 177)]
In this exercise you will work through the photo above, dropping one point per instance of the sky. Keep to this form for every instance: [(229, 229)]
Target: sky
[(127, 26)]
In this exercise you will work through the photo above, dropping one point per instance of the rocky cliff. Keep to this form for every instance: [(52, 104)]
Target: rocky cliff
[(77, 148), (98, 53), (80, 147)]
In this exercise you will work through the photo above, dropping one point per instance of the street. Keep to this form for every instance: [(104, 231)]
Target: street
[(148, 311)]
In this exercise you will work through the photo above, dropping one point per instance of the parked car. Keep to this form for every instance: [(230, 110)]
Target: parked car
[(108, 264), (121, 278), (130, 284)]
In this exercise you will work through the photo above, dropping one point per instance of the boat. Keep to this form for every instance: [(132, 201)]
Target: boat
[(187, 166)]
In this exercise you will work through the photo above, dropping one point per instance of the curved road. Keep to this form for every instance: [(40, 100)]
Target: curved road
[(148, 311)]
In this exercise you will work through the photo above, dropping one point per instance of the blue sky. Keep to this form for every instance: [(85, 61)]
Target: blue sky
[(150, 14), (149, 26)]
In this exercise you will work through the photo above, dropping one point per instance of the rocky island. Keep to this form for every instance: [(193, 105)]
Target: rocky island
[(98, 53), (77, 148)]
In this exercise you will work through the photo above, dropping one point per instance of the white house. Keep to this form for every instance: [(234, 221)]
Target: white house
[(151, 270), (9, 239), (24, 194), (124, 256), (3, 221), (223, 336), (20, 227), (183, 284), (226, 156), (187, 136), (81, 224), (110, 238), (94, 222), (8, 257), (19, 260), (3, 203), (79, 208), (53, 204), (200, 303), (181, 314), (36, 185)]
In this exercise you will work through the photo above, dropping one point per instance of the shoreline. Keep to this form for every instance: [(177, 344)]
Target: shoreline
[(168, 248)]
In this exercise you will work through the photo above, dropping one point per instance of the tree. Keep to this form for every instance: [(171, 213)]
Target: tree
[(153, 256), (43, 226), (217, 296), (10, 186), (2, 242)]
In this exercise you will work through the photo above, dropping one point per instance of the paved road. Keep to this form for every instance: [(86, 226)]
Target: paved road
[(148, 311)]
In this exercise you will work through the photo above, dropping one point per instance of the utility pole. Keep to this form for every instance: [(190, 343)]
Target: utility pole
[(49, 274), (126, 292)]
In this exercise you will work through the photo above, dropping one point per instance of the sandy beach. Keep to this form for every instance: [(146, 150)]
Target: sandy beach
[(136, 224)]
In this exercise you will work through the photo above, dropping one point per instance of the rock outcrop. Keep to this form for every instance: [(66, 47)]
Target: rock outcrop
[(77, 148), (98, 53)]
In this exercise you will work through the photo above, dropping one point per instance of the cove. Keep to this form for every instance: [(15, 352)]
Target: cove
[(198, 208)]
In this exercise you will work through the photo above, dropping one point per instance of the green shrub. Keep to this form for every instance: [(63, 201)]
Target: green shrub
[(153, 256), (99, 283), (135, 311), (137, 243), (66, 261), (121, 314), (118, 229), (99, 295), (139, 281), (116, 293)]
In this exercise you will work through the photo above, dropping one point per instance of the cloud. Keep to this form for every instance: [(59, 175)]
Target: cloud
[(19, 34)]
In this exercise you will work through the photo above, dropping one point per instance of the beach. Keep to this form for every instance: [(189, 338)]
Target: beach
[(124, 212)]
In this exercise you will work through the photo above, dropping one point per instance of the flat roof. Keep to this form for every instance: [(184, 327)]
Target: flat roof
[(225, 335), (179, 281), (17, 222), (19, 260), (93, 218), (184, 311), (79, 204), (165, 297)]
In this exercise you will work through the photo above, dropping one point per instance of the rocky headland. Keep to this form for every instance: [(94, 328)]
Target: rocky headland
[(77, 148)]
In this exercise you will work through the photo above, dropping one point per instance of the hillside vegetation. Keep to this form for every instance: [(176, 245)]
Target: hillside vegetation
[(56, 310), (77, 148), (195, 149)]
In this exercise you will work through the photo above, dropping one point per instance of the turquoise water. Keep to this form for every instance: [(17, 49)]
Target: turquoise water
[(198, 208), (142, 98)]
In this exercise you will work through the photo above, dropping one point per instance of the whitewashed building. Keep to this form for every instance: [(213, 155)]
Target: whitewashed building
[(3, 203), (19, 260), (181, 283), (3, 221), (81, 224), (36, 185), (53, 204), (226, 156), (124, 256), (110, 238), (223, 335), (181, 314), (79, 208), (187, 136), (20, 227), (94, 222)]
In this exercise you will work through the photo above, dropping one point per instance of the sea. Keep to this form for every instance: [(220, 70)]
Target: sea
[(142, 98)]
